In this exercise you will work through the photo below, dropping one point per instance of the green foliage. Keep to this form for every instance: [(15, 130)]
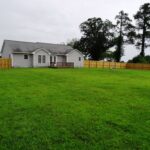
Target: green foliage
[(85, 109), (98, 36), (140, 59), (142, 18), (125, 33), (119, 49)]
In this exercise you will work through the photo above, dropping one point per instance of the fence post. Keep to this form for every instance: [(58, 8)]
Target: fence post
[(142, 67)]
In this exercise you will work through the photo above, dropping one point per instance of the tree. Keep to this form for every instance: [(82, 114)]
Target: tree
[(140, 59), (72, 42), (125, 33), (98, 37), (142, 18)]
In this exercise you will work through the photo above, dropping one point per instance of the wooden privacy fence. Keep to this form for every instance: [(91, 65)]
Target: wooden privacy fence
[(103, 64), (5, 63)]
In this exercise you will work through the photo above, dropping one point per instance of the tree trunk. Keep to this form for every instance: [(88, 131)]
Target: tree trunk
[(143, 41), (120, 42), (119, 49)]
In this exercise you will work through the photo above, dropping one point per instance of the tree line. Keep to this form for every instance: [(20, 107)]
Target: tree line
[(99, 36)]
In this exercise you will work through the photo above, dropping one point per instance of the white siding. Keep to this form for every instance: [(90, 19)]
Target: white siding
[(19, 61), (74, 57), (35, 59)]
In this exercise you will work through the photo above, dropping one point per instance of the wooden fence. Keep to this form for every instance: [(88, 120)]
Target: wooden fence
[(5, 63), (103, 64)]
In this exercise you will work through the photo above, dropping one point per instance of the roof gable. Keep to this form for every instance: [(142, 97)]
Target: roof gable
[(41, 49), (75, 50)]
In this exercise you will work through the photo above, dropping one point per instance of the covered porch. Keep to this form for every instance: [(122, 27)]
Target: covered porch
[(60, 61)]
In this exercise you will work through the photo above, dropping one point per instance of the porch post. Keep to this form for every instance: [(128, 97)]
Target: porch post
[(56, 60), (12, 61), (66, 58), (33, 61)]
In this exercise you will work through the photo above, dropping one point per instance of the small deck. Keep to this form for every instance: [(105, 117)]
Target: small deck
[(62, 65)]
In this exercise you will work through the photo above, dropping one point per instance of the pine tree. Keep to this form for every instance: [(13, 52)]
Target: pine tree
[(125, 33), (142, 18)]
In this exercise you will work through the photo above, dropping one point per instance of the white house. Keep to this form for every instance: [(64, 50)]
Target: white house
[(28, 54)]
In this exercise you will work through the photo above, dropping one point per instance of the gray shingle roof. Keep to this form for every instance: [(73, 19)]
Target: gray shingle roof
[(18, 46)]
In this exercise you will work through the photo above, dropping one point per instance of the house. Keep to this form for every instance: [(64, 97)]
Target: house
[(28, 54)]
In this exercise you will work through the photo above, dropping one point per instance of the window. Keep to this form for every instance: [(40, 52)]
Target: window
[(39, 59), (79, 58), (25, 56), (44, 59)]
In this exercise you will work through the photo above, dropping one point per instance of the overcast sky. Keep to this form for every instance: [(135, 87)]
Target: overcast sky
[(57, 21)]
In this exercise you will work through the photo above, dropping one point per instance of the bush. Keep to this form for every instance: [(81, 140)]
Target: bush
[(140, 59)]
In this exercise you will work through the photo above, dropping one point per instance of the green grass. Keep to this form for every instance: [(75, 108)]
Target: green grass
[(85, 109)]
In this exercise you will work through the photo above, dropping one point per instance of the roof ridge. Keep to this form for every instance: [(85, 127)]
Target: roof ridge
[(35, 42), (19, 41)]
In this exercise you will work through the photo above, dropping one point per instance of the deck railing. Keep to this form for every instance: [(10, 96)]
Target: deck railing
[(62, 65)]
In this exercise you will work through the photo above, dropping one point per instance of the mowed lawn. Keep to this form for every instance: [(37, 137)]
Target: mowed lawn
[(87, 109)]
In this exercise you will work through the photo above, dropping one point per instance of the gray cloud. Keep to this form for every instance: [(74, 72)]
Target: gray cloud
[(57, 21)]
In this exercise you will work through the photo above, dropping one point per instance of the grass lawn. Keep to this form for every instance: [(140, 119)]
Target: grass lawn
[(85, 109)]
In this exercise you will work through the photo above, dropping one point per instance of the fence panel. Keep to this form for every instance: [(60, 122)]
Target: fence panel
[(106, 65), (86, 64), (103, 64), (112, 65), (100, 64), (5, 63)]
